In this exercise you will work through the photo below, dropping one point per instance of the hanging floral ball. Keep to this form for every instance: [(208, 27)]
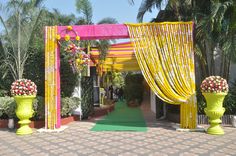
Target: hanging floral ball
[(23, 87), (214, 84)]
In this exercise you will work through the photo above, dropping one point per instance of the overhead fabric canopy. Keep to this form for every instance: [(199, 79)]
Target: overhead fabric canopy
[(120, 57)]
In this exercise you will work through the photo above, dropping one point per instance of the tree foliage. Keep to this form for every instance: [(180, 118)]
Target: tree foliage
[(214, 29), (19, 27)]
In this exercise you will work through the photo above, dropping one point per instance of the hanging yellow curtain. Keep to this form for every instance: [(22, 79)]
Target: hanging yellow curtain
[(50, 77), (164, 52)]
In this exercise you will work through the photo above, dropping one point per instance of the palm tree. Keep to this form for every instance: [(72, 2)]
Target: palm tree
[(62, 19), (84, 7), (215, 28), (215, 35), (19, 28)]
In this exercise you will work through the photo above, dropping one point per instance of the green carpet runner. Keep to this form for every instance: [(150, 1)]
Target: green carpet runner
[(123, 118)]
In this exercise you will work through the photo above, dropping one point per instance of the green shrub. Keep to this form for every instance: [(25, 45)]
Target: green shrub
[(230, 103), (7, 107), (87, 96), (134, 89), (39, 108), (68, 105), (3, 92), (34, 68), (68, 79), (230, 100), (201, 102)]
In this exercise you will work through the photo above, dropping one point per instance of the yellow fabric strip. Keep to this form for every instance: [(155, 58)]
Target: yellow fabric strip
[(164, 52), (50, 77)]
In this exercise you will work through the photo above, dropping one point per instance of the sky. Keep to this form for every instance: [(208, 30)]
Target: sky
[(121, 10)]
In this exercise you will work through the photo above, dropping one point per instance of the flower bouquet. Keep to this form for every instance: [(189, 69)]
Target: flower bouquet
[(23, 87), (214, 84), (77, 58), (214, 89), (24, 92)]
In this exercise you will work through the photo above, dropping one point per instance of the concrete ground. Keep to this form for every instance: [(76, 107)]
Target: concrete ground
[(160, 140)]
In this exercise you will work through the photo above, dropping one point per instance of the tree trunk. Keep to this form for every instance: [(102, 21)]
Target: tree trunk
[(18, 65), (222, 64), (204, 61), (227, 71)]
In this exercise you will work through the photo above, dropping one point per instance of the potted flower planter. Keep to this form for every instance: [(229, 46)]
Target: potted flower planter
[(214, 89), (24, 92), (24, 112), (214, 111)]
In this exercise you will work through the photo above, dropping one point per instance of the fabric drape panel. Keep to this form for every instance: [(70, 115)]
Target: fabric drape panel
[(51, 81), (164, 52)]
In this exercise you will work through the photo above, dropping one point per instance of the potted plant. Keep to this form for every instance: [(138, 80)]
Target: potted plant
[(24, 92), (10, 107), (7, 110), (214, 89)]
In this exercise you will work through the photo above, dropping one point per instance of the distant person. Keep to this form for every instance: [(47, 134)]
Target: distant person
[(120, 94), (110, 89)]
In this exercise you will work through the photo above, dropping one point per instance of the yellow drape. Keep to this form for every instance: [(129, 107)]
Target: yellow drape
[(164, 52), (50, 77)]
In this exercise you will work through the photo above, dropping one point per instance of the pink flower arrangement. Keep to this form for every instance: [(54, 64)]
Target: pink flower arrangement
[(77, 58), (23, 87), (214, 84)]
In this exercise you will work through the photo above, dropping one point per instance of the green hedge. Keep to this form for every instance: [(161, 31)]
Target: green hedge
[(8, 106), (134, 89), (87, 96)]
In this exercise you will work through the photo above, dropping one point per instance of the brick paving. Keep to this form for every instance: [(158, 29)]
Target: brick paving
[(160, 140)]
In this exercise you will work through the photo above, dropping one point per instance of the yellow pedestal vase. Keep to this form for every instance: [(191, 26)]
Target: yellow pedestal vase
[(214, 111), (24, 112)]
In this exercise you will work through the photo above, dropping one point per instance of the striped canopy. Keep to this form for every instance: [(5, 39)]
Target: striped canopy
[(120, 57)]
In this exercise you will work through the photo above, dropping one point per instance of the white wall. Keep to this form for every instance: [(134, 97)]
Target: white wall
[(153, 101), (232, 73)]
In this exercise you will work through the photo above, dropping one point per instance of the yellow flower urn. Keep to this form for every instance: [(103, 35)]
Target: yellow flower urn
[(215, 111), (24, 112)]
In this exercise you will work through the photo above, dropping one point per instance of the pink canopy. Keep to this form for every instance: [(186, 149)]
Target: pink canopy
[(92, 32)]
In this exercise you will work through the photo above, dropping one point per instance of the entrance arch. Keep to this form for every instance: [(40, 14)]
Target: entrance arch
[(117, 31)]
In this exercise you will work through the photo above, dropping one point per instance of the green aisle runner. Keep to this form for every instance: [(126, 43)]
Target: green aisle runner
[(122, 118)]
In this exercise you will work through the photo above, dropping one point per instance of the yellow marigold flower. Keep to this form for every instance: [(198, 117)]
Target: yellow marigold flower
[(77, 38), (67, 37), (69, 28), (58, 37), (78, 61)]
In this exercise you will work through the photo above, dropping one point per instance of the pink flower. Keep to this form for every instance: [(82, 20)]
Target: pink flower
[(23, 87), (77, 58), (214, 84)]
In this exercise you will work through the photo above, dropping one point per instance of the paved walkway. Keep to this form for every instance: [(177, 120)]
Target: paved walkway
[(160, 140)]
